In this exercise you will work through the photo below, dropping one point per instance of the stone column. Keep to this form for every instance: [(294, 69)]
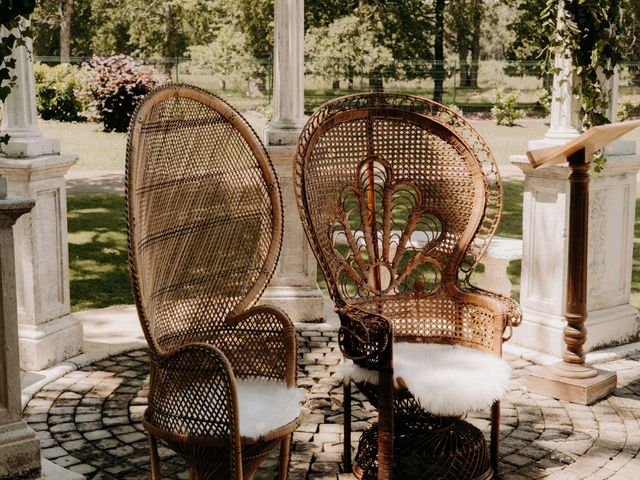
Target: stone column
[(35, 169), (288, 74), (19, 447), (611, 319), (293, 287)]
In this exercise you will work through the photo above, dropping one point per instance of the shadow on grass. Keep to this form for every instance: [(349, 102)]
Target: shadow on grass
[(97, 251)]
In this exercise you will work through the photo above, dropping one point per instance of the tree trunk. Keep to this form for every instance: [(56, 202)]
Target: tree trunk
[(66, 12), (475, 43), (438, 53), (335, 85), (167, 41), (464, 70), (375, 82)]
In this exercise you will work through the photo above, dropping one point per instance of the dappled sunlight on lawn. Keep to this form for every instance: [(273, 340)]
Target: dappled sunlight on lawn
[(98, 251)]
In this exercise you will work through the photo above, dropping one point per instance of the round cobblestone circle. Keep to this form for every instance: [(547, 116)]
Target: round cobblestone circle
[(90, 422)]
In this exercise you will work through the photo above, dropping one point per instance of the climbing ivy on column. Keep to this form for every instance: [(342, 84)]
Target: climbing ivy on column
[(590, 34), (13, 32)]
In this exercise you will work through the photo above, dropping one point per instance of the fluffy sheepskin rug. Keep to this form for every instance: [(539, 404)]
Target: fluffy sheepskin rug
[(446, 380), (266, 405)]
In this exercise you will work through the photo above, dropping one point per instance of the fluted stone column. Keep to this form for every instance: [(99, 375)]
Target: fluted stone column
[(35, 169), (19, 447), (611, 319), (294, 287)]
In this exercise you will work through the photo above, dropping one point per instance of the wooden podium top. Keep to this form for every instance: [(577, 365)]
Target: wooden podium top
[(593, 139)]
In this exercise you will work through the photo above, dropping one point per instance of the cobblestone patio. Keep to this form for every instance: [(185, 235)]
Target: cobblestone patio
[(89, 421)]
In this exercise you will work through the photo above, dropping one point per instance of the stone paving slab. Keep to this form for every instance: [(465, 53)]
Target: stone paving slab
[(89, 421)]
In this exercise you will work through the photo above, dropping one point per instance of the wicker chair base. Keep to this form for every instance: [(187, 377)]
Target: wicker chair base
[(212, 463), (458, 452)]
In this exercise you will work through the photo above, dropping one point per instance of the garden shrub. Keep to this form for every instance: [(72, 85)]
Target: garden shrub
[(113, 86), (56, 92), (544, 101), (505, 111)]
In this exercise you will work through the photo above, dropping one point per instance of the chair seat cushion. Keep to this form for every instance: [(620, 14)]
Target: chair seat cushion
[(266, 406), (447, 380)]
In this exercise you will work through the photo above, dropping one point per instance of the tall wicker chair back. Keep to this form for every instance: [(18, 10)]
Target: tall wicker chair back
[(204, 217), (399, 197)]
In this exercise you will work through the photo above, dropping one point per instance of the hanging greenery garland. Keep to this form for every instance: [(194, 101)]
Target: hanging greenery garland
[(590, 34), (13, 31)]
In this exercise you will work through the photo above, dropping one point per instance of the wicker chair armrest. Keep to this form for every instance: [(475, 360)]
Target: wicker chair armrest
[(268, 344), (506, 311), (192, 393), (363, 336)]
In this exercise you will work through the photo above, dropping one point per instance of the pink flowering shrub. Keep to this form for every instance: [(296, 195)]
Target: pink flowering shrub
[(113, 86)]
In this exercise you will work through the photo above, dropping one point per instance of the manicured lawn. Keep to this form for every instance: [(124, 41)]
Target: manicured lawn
[(98, 248), (96, 150), (97, 251)]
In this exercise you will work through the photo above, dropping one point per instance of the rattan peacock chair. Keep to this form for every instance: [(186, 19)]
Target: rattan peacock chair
[(399, 197), (204, 217)]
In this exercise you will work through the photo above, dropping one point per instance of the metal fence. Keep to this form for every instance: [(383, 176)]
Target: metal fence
[(248, 85)]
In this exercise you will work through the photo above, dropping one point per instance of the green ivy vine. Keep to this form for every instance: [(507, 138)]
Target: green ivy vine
[(590, 34), (12, 17)]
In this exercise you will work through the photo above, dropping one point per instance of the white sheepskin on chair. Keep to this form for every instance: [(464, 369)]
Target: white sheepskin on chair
[(446, 380), (266, 405)]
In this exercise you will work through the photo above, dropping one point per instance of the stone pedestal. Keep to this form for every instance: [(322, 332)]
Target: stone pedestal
[(48, 334), (611, 319), (19, 447), (293, 287), (35, 170)]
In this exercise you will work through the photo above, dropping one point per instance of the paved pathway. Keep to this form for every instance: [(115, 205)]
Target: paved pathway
[(89, 421)]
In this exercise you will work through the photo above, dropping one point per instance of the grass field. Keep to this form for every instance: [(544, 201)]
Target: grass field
[(97, 251), (98, 248), (98, 150)]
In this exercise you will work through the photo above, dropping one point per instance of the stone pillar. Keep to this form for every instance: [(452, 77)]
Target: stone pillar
[(293, 287), (19, 447), (611, 319), (35, 169), (288, 74)]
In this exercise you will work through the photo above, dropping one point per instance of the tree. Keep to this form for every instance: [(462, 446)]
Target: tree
[(226, 55), (47, 29), (404, 27), (525, 54), (66, 13), (322, 13), (464, 24), (439, 72), (344, 48), (631, 23)]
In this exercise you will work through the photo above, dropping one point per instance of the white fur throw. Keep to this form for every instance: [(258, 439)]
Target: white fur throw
[(266, 405), (446, 380)]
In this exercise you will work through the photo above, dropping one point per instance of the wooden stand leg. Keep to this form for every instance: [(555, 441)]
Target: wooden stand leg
[(572, 379), (155, 459), (495, 435), (346, 406)]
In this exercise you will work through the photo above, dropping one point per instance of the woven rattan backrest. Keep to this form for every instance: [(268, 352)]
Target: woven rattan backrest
[(204, 215), (399, 196)]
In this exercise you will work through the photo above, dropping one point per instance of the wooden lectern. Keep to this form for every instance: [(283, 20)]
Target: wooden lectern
[(572, 379)]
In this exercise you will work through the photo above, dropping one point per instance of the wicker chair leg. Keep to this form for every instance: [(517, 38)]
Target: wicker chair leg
[(155, 459), (285, 457), (346, 406), (495, 435), (385, 416)]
